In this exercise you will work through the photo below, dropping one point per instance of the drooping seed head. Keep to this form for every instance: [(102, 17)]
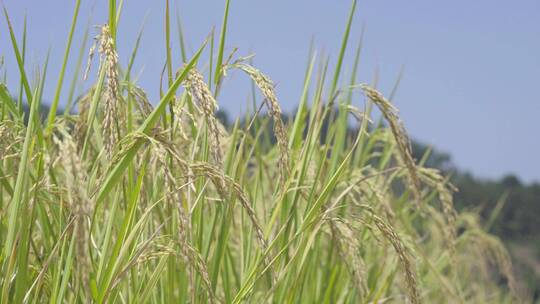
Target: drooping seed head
[(265, 84), (109, 61), (202, 96), (404, 146)]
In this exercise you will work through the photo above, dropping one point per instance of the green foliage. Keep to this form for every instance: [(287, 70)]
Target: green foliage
[(126, 202)]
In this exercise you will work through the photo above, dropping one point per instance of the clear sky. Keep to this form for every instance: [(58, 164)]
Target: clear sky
[(471, 68)]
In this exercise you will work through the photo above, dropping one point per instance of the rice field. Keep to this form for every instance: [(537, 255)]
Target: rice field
[(122, 199)]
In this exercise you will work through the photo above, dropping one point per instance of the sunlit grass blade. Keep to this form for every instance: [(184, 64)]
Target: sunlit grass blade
[(77, 73), (20, 62), (56, 99), (344, 44), (222, 36)]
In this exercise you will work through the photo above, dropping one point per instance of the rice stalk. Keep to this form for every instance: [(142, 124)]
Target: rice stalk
[(390, 114), (350, 251), (390, 234), (79, 204), (265, 84), (444, 191), (201, 94), (109, 61)]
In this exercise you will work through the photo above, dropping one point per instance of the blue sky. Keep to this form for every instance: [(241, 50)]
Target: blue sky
[(471, 68)]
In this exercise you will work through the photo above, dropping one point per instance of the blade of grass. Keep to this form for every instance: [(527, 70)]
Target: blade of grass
[(75, 80), (20, 61), (181, 38), (112, 19), (222, 36), (18, 193), (344, 44), (56, 99)]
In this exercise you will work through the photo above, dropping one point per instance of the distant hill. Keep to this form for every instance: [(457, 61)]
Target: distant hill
[(43, 110)]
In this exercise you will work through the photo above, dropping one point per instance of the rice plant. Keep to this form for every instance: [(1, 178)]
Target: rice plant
[(126, 200)]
